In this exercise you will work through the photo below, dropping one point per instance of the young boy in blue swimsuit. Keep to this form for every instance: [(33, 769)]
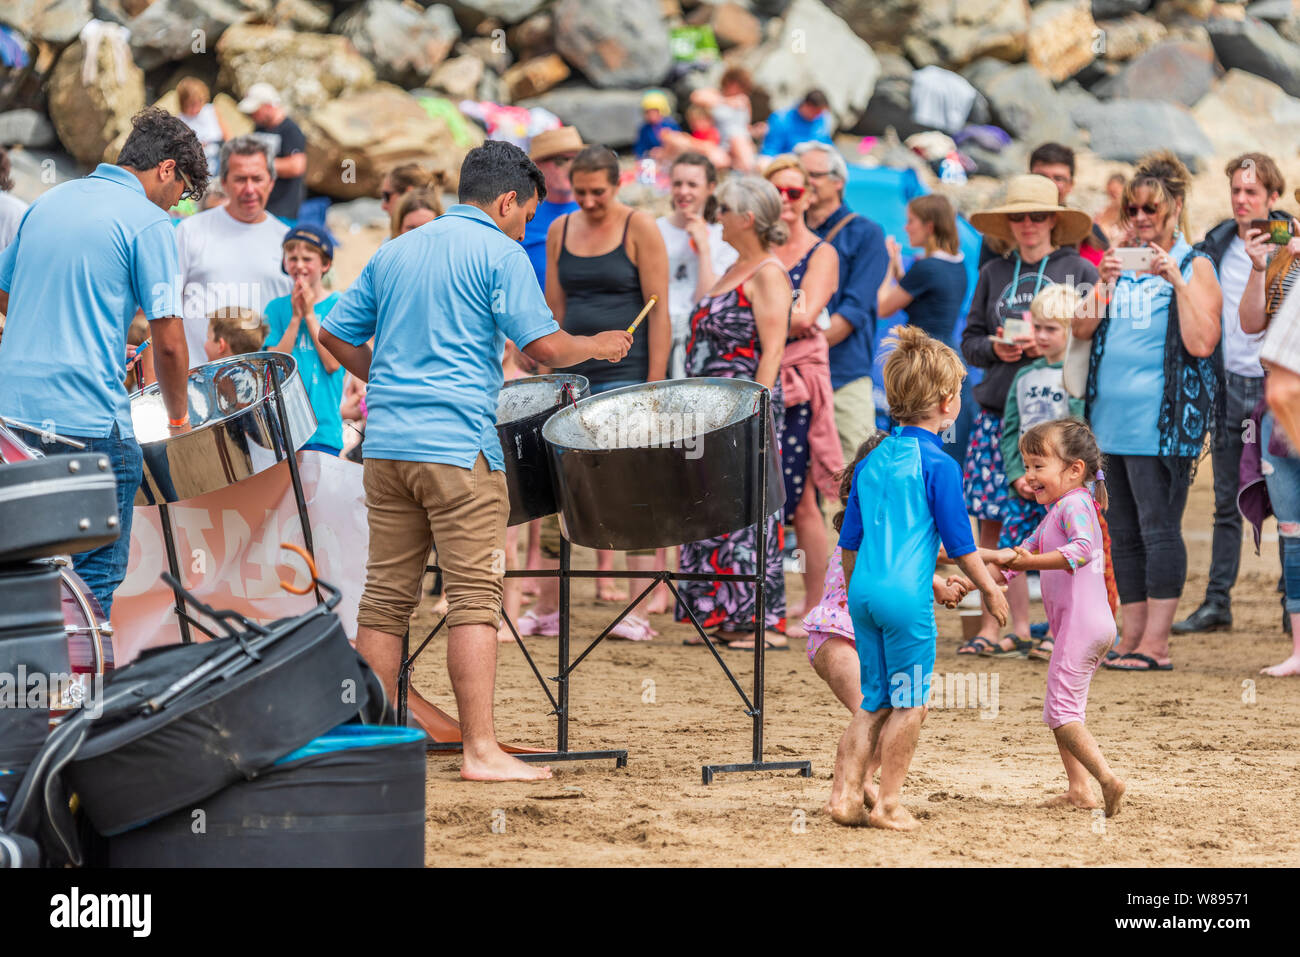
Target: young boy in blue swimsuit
[(906, 499)]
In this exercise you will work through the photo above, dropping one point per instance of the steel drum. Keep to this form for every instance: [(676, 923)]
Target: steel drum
[(235, 427), (661, 464), (522, 410)]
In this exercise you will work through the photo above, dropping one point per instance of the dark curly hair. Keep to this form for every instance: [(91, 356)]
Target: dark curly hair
[(155, 136), (6, 181)]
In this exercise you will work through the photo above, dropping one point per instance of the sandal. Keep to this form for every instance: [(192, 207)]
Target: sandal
[(1143, 663), (531, 623), (1020, 647), (1042, 650), (632, 628), (976, 646)]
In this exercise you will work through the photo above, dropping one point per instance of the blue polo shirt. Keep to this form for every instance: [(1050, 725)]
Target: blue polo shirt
[(441, 301), (863, 261), (786, 129), (88, 254)]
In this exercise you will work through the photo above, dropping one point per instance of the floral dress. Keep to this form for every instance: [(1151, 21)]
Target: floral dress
[(724, 342)]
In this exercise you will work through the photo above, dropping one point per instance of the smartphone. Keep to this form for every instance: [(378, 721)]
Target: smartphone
[(1277, 230), (1135, 258), (1013, 329)]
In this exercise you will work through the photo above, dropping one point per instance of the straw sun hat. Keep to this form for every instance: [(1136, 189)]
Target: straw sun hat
[(1032, 193)]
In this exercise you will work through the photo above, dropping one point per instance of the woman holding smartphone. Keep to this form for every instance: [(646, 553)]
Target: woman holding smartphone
[(1043, 235), (1154, 389)]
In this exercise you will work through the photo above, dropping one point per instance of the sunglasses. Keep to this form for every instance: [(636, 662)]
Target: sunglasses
[(1033, 217), (387, 194), (1147, 208), (791, 193), (189, 186)]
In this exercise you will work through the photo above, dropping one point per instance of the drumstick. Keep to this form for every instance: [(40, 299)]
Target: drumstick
[(641, 315)]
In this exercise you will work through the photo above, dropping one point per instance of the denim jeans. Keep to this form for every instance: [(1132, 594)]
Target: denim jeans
[(1282, 475), (103, 568)]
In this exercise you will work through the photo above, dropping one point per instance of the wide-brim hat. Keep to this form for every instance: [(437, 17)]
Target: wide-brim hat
[(550, 143), (1032, 193)]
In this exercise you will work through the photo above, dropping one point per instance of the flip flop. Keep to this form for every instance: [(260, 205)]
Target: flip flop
[(767, 644), (1111, 655), (1148, 663), (1042, 651), (976, 646)]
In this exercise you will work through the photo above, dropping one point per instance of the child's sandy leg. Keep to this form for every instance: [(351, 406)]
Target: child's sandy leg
[(1079, 792), (897, 745), (1080, 743), (836, 663), (856, 744), (1018, 599)]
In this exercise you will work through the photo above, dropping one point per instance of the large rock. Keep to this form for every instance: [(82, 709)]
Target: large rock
[(816, 48), (313, 15), (884, 22), (1062, 39), (615, 43), (471, 13), (1126, 38), (171, 30), (1175, 72), (404, 43), (1255, 46), (732, 24), (354, 140), (1117, 8), (495, 55), (309, 69), (1246, 112), (534, 77), (1125, 130), (961, 31), (26, 128), (891, 100), (458, 77), (610, 117), (89, 118), (533, 37), (54, 21), (227, 108), (1023, 101)]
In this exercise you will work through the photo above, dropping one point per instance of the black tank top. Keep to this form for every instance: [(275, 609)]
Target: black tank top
[(603, 293)]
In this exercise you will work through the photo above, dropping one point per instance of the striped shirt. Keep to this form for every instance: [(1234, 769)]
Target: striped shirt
[(1281, 345)]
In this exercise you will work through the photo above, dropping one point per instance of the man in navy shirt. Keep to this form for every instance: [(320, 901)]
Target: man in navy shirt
[(439, 303), (863, 262), (89, 254)]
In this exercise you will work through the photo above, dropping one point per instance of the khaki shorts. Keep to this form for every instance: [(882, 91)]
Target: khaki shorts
[(415, 506), (855, 415)]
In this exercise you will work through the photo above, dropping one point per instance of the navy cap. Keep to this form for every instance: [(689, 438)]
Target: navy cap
[(313, 235)]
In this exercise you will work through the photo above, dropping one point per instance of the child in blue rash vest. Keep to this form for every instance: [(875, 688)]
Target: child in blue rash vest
[(906, 499)]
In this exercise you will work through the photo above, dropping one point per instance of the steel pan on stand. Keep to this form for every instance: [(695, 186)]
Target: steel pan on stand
[(523, 408)]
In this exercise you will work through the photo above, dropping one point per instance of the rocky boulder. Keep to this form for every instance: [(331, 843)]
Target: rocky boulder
[(459, 77), (1177, 72), (404, 43), (953, 33), (884, 22), (27, 128), (169, 30), (1125, 130), (1254, 46), (1023, 101), (494, 54), (1118, 8), (90, 117), (1247, 112), (891, 100), (309, 69), (354, 140), (1062, 38), (732, 24), (1126, 38), (610, 117), (614, 43), (471, 13), (534, 77), (816, 48), (313, 15), (54, 21), (533, 37)]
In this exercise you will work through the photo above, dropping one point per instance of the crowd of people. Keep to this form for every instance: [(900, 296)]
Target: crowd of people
[(1110, 352)]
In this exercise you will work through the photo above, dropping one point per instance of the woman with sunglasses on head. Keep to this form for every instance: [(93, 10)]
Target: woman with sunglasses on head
[(738, 331), (399, 181), (811, 445), (1154, 390), (1043, 235)]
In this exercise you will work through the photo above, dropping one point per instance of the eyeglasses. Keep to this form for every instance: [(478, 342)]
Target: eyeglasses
[(723, 209), (792, 193), (189, 187), (387, 194), (1147, 208), (814, 174), (1033, 217)]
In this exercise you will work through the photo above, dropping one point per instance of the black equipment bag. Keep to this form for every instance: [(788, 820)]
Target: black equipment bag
[(56, 505)]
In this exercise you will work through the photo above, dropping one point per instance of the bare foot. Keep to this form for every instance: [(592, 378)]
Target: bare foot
[(848, 812), (657, 604), (440, 607), (744, 640), (1113, 791), (795, 630), (1079, 799), (896, 818), (496, 765), (607, 591), (503, 633), (869, 795), (1287, 669)]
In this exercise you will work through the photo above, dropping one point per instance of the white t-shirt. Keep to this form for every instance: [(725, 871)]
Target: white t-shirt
[(1240, 349), (11, 214), (208, 130), (226, 263), (684, 270)]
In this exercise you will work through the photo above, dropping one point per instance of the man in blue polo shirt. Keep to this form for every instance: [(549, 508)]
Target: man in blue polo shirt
[(863, 262), (807, 121), (440, 302), (88, 254)]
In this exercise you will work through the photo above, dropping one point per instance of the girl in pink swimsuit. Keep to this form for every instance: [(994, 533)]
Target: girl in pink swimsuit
[(1061, 458)]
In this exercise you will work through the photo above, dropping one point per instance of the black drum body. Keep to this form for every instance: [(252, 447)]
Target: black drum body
[(662, 464), (522, 410), (56, 505)]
